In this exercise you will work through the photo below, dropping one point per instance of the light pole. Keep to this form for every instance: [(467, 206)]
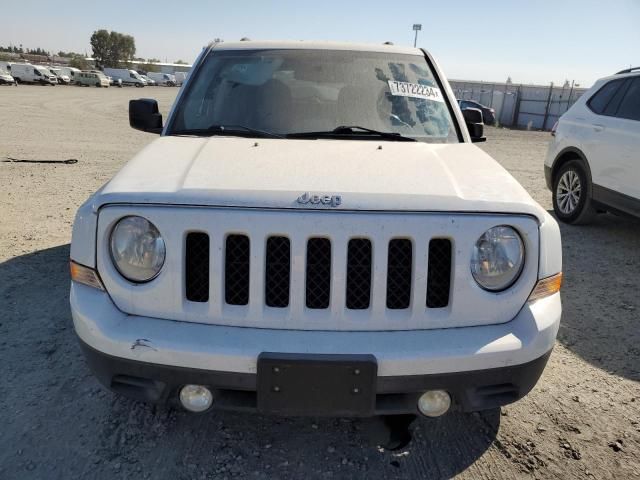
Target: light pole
[(416, 28)]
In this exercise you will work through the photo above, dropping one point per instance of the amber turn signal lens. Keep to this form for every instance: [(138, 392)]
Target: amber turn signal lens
[(85, 275), (546, 286)]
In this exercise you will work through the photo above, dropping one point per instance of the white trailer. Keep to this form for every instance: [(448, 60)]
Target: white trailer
[(128, 77), (160, 78), (70, 72), (62, 77), (27, 73), (6, 78), (181, 77)]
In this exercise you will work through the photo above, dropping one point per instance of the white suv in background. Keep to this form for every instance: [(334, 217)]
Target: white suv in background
[(593, 162)]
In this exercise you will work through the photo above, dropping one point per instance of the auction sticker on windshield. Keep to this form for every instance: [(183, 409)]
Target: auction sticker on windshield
[(415, 90)]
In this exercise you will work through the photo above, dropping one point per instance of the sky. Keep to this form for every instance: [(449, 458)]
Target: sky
[(531, 42)]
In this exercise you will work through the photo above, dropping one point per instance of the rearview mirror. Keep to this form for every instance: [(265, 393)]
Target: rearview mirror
[(475, 125), (144, 115)]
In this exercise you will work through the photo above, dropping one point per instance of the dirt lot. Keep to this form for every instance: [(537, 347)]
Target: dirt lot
[(581, 421)]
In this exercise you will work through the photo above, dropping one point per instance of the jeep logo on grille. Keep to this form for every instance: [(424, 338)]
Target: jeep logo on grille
[(331, 200)]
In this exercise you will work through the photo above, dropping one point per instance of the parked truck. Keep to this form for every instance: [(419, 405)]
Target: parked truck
[(63, 78), (27, 73), (6, 78), (71, 72), (181, 77), (165, 79), (128, 77)]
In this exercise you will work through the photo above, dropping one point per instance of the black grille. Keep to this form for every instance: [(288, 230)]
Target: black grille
[(236, 270), (277, 272), (197, 267), (358, 274), (399, 273), (318, 287), (439, 275)]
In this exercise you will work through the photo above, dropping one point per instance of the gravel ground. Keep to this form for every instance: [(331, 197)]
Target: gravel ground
[(581, 421)]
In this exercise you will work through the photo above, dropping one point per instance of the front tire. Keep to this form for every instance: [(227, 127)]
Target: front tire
[(572, 194)]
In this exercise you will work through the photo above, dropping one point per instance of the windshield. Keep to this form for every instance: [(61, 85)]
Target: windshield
[(296, 91)]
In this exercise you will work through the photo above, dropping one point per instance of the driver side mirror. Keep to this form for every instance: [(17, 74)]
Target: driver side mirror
[(475, 125), (144, 115)]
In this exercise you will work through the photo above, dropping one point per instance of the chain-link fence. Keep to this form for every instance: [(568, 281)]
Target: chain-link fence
[(520, 106)]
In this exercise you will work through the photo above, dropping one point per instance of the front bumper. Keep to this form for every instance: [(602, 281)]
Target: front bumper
[(469, 391), (150, 359)]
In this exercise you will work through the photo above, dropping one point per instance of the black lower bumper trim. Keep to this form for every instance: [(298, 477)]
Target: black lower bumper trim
[(470, 391), (548, 177)]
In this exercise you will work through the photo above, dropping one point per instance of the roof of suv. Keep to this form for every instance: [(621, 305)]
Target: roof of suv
[(629, 70), (309, 45), (632, 72)]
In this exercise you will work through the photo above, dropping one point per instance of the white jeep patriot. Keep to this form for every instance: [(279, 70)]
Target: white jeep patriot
[(314, 233)]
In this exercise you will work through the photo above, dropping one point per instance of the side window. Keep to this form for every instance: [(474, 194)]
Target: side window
[(599, 102), (630, 105), (613, 105)]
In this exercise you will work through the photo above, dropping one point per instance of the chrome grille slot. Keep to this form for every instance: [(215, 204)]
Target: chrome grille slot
[(197, 267), (277, 272), (359, 262), (236, 270), (399, 270), (318, 283), (439, 273)]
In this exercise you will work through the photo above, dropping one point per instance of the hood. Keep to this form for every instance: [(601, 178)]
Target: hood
[(273, 173)]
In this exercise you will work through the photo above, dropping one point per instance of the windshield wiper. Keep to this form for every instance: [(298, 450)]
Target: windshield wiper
[(237, 130), (353, 130)]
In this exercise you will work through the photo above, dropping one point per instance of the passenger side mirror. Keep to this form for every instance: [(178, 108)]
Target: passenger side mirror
[(475, 125), (144, 115)]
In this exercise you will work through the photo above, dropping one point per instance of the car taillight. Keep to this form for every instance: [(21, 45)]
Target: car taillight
[(554, 128)]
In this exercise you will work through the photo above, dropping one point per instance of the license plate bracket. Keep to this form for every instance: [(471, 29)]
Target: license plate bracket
[(317, 384)]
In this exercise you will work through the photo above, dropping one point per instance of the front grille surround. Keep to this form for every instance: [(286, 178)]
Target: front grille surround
[(468, 305)]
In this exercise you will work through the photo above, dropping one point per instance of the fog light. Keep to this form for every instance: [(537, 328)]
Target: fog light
[(196, 398), (434, 403)]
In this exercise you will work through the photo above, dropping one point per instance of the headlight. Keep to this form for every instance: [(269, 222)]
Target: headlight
[(498, 258), (137, 249)]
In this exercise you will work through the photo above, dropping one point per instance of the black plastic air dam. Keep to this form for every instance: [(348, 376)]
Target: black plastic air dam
[(470, 391)]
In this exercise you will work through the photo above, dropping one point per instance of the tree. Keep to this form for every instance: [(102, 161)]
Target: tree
[(112, 48), (180, 62), (79, 62), (37, 51), (149, 67), (101, 46), (69, 54)]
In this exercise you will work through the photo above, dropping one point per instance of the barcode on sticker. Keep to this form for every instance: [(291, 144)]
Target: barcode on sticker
[(415, 90)]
